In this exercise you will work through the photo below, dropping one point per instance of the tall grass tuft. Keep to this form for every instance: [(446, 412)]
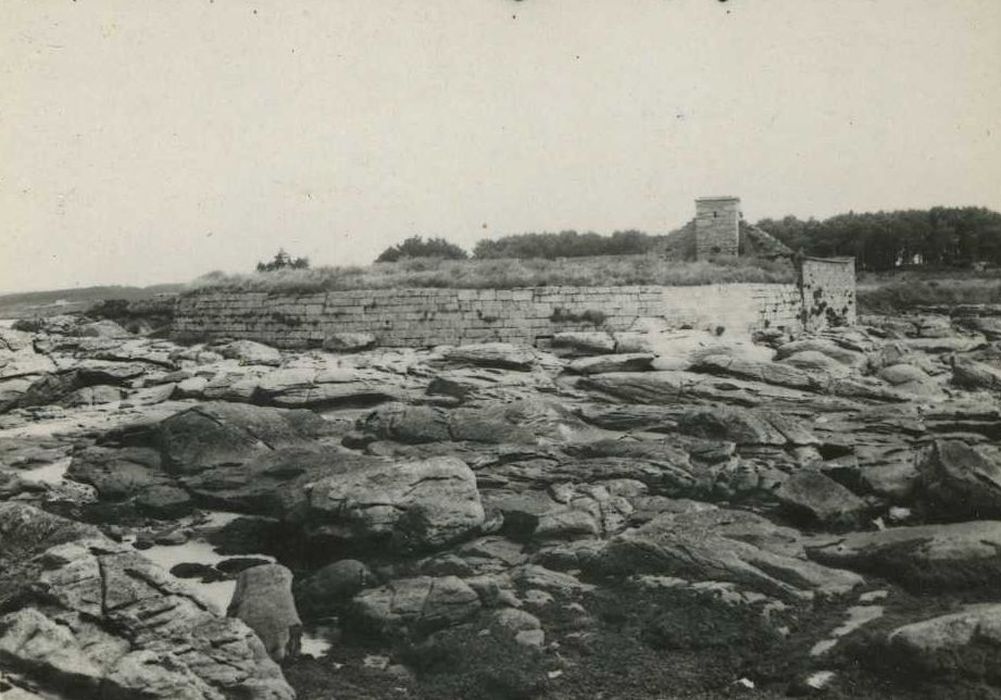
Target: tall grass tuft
[(507, 273)]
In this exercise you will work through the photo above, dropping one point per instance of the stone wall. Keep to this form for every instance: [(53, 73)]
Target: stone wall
[(717, 227), (828, 287), (424, 317)]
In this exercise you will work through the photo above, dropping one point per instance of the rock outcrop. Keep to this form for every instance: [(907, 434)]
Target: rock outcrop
[(96, 619)]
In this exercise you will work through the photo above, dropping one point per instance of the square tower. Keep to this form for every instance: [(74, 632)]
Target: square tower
[(717, 226)]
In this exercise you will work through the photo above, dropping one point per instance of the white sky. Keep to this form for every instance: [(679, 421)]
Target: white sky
[(145, 142)]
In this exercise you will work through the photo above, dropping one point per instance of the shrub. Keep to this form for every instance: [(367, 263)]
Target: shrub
[(566, 244), (281, 261), (417, 247)]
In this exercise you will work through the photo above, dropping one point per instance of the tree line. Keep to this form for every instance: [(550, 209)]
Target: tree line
[(936, 237)]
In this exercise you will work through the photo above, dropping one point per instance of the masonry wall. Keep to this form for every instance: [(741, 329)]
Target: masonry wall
[(828, 288), (425, 317)]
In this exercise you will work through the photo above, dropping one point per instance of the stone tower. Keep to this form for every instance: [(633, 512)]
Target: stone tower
[(717, 226)]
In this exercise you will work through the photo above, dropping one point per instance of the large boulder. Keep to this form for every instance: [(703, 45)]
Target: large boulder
[(235, 456), (118, 473), (723, 545), (921, 557), (269, 482), (348, 342), (97, 619), (263, 600), (423, 504), (213, 434), (333, 585), (965, 643), (970, 374), (819, 499), (415, 605), (249, 352), (959, 482)]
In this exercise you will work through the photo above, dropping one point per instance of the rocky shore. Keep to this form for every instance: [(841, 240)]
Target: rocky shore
[(665, 514)]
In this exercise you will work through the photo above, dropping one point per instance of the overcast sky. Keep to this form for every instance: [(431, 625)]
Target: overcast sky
[(145, 142)]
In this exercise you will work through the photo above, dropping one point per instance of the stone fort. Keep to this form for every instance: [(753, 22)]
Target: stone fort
[(823, 296)]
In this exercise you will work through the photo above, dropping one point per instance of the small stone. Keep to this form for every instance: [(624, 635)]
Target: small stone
[(171, 538), (531, 638)]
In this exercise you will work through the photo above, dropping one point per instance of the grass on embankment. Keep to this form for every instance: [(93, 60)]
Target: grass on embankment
[(888, 293), (507, 274)]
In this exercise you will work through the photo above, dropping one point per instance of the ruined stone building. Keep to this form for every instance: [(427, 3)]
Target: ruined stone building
[(717, 226)]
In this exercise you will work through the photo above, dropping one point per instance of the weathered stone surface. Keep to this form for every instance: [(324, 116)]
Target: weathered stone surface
[(348, 342), (959, 482), (12, 391), (818, 362), (423, 504), (419, 605), (819, 499), (669, 387), (307, 387), (268, 482), (263, 600), (970, 374), (585, 343), (30, 641), (766, 372), (409, 424), (724, 545), (164, 501), (118, 473), (92, 614), (333, 585), (490, 384), (14, 341), (846, 356), (499, 355), (92, 395), (249, 352), (50, 388), (951, 343), (191, 388), (523, 421), (903, 374), (921, 557), (101, 329), (737, 425), (213, 434), (963, 643), (626, 362)]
